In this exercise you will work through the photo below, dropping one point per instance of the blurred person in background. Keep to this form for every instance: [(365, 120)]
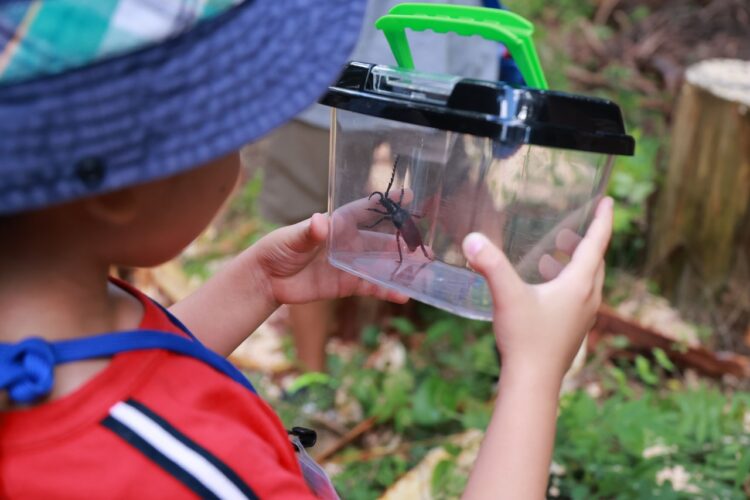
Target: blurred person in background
[(294, 159)]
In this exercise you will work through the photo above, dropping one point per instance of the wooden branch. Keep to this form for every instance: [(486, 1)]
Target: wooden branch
[(636, 82), (346, 439), (592, 39), (586, 78), (643, 85), (331, 425), (605, 10), (650, 44), (669, 70), (708, 363)]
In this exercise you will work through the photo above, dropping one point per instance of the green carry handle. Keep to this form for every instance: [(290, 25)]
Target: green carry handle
[(510, 29)]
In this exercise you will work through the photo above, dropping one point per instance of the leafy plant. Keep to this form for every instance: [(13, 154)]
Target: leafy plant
[(365, 480), (565, 11), (447, 480), (647, 437), (633, 180), (444, 385), (673, 444)]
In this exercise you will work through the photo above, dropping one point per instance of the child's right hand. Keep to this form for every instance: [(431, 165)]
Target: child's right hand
[(539, 328)]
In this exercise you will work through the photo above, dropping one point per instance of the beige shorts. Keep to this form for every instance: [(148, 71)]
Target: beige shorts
[(294, 160)]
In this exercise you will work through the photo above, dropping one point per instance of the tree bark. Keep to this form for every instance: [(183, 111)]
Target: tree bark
[(699, 243)]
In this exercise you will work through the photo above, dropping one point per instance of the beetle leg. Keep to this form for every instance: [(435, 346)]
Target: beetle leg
[(376, 222), (377, 211), (418, 216), (424, 251), (401, 198), (375, 193), (398, 246), (395, 271)]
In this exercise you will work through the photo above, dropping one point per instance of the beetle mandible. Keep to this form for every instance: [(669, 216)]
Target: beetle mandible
[(400, 217)]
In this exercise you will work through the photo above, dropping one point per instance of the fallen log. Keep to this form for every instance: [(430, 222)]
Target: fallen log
[(699, 358), (345, 440)]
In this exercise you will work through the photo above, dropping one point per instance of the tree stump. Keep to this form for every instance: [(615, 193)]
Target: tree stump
[(699, 243)]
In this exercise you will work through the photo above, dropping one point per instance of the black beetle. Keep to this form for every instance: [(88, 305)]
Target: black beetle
[(401, 218)]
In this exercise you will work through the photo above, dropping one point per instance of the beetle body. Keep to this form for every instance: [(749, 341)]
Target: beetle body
[(401, 218)]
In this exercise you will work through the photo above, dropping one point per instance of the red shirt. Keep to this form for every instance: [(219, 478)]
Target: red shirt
[(153, 424)]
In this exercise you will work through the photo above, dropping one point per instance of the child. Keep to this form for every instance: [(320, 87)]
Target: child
[(117, 124)]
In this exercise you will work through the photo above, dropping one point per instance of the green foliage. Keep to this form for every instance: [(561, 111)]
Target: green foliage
[(661, 357), (244, 208), (640, 13), (444, 387), (632, 182), (366, 480), (197, 267), (619, 447), (634, 178), (565, 11), (370, 336), (306, 380), (620, 342), (245, 205), (447, 480), (616, 447), (643, 369), (444, 384), (403, 325)]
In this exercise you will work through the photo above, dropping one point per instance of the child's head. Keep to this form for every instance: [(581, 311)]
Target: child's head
[(119, 122), (141, 225)]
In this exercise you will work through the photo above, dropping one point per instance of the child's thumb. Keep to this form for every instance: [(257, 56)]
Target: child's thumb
[(491, 262), (309, 234)]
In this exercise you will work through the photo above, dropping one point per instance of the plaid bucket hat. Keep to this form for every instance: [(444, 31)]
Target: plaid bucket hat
[(97, 95)]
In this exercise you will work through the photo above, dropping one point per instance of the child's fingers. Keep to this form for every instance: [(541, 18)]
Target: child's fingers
[(567, 241), (306, 236), (549, 268), (394, 296), (319, 227), (367, 289), (591, 249), (492, 263)]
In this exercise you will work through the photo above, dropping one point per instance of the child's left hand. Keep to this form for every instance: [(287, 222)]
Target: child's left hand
[(287, 266), (294, 264)]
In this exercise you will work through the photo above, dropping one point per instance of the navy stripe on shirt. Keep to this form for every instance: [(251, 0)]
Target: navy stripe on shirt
[(175, 453)]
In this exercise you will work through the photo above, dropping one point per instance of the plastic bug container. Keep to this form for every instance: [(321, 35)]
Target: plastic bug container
[(419, 160)]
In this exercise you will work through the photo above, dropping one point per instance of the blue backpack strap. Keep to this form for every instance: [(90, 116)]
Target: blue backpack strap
[(493, 4), (27, 367), (173, 319), (508, 71)]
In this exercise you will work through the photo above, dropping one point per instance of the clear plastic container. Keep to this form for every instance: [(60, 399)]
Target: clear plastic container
[(419, 161)]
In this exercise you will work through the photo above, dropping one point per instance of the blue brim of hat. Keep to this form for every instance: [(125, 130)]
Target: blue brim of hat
[(171, 107)]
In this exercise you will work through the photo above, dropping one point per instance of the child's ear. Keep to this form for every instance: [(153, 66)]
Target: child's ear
[(118, 207)]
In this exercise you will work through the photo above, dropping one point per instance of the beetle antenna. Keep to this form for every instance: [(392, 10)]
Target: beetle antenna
[(393, 176)]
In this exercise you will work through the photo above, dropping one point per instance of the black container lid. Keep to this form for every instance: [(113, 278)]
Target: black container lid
[(510, 115)]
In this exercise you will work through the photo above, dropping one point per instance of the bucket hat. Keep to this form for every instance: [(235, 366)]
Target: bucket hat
[(97, 95)]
